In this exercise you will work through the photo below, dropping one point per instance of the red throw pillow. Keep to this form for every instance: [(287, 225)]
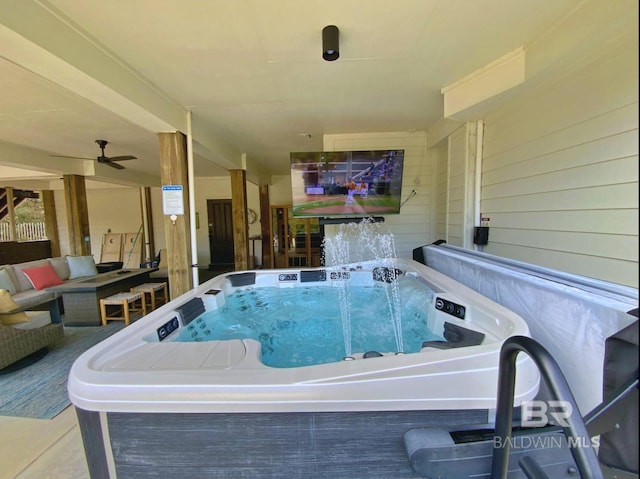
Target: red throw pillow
[(42, 276)]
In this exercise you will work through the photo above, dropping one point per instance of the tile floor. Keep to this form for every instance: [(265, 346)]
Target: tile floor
[(42, 448)]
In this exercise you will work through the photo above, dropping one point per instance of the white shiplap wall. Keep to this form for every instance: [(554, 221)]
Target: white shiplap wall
[(560, 171)]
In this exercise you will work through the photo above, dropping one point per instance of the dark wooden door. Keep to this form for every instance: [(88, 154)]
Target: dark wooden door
[(220, 222)]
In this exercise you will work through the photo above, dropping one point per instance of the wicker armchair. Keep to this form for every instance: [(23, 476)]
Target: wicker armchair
[(17, 344)]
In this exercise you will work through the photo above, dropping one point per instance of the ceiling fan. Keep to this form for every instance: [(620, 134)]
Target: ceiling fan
[(105, 160)]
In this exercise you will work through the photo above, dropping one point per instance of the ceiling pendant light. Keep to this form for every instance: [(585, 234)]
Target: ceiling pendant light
[(330, 43)]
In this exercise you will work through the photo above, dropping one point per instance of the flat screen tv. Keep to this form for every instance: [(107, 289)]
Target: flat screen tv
[(346, 183)]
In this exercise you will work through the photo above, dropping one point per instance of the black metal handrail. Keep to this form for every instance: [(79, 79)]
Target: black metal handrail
[(583, 454)]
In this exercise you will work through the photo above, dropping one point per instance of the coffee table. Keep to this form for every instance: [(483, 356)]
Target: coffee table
[(81, 297)]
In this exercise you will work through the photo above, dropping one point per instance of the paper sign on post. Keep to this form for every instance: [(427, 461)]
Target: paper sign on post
[(172, 200)]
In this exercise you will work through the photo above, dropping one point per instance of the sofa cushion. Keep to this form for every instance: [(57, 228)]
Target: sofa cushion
[(81, 266), (37, 319), (61, 267), (24, 283), (33, 298), (42, 276), (8, 304), (12, 274), (6, 282)]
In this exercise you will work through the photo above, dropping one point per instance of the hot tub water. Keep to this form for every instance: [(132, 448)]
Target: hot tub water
[(303, 326)]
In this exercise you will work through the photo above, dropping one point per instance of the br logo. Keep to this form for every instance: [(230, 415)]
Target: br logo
[(541, 413)]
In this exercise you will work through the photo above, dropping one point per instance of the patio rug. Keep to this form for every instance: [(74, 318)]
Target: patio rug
[(40, 390)]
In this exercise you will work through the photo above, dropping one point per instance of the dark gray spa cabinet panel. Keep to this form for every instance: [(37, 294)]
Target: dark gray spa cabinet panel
[(327, 445)]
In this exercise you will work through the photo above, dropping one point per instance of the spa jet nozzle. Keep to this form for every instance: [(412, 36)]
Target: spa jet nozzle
[(372, 354)]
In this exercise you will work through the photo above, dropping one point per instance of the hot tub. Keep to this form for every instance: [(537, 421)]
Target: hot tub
[(151, 405)]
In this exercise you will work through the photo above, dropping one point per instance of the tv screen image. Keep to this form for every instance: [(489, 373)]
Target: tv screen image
[(346, 183)]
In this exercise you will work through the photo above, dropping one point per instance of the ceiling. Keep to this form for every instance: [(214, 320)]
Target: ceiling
[(249, 71)]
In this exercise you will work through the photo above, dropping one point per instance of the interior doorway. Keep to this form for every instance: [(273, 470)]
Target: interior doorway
[(220, 224)]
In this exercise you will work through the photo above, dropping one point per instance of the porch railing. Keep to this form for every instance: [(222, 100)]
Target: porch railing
[(25, 231)]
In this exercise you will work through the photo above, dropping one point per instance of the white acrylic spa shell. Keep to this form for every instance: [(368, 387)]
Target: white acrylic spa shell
[(133, 372)]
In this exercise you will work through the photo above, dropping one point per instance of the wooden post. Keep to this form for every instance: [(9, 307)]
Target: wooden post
[(51, 221), (240, 222), (173, 171), (11, 214), (77, 215), (265, 232)]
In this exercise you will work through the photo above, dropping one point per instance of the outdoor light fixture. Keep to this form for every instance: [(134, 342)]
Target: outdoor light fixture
[(330, 43)]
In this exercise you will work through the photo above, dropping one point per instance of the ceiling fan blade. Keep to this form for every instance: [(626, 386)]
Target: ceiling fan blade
[(73, 157), (105, 160), (112, 165)]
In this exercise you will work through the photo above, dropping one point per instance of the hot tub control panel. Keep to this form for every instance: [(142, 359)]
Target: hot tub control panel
[(167, 328), (450, 307), (288, 277)]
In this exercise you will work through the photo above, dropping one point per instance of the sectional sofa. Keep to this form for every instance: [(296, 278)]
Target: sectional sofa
[(30, 289), (30, 315)]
